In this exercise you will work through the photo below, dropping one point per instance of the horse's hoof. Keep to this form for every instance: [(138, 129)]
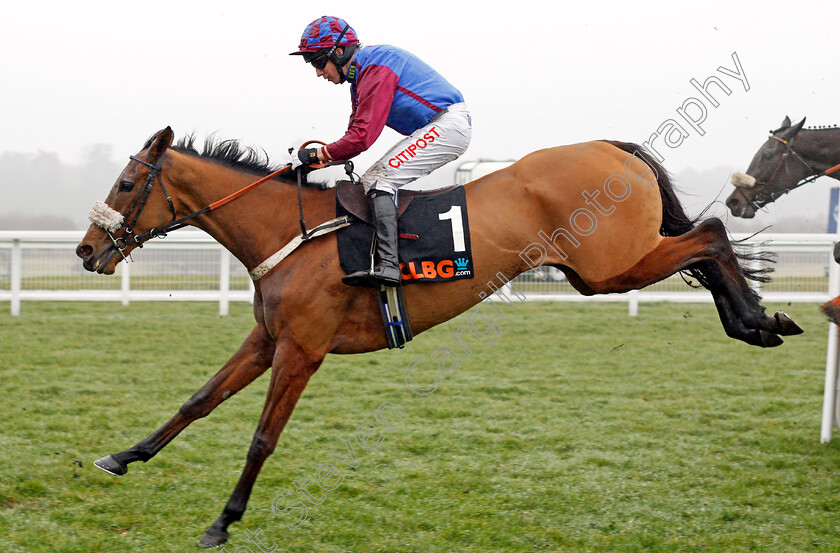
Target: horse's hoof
[(770, 340), (111, 465), (789, 328), (213, 538)]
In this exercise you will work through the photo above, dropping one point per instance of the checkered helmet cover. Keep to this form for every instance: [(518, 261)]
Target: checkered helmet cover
[(323, 33)]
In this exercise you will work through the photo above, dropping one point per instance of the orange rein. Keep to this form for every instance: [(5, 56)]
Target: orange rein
[(182, 222), (238, 193), (251, 186)]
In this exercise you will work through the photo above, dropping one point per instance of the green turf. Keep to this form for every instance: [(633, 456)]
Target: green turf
[(579, 429)]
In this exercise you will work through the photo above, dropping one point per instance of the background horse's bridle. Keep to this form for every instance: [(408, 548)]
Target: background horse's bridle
[(760, 199)]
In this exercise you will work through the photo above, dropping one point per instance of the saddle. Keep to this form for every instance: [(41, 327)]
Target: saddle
[(434, 245), (352, 197)]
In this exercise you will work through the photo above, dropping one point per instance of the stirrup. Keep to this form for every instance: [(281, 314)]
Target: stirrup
[(394, 316), (387, 276), (374, 278), (360, 278)]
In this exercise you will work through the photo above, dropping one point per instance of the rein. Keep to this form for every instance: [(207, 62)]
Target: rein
[(111, 220), (129, 238), (176, 224)]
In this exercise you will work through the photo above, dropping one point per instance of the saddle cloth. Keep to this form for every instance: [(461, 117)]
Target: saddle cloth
[(434, 240)]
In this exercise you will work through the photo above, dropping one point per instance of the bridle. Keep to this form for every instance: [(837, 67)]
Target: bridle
[(762, 198), (129, 238)]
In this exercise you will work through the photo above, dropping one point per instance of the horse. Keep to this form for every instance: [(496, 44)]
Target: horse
[(628, 230), (777, 168)]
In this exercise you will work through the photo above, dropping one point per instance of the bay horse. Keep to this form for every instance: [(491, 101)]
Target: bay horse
[(791, 157), (639, 236)]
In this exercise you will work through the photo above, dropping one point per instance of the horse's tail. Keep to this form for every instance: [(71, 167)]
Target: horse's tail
[(676, 222)]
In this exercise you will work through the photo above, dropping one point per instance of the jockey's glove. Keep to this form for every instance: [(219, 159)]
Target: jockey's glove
[(304, 156)]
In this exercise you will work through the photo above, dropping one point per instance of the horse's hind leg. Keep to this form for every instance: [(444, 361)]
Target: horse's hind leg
[(725, 278), (707, 249), (742, 315), (291, 369), (251, 360)]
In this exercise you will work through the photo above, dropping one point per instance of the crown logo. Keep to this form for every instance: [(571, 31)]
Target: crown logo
[(461, 263)]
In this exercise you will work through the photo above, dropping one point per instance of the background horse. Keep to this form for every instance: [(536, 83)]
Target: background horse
[(791, 156), (603, 212)]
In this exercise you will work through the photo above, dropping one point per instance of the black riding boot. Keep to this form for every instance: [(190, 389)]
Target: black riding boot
[(387, 269)]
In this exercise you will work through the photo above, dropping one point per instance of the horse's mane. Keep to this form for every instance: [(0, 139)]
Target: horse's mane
[(229, 152), (811, 128)]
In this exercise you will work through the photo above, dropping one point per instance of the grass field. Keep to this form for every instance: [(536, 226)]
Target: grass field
[(798, 283), (579, 429)]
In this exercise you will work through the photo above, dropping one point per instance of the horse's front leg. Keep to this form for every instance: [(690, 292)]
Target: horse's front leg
[(251, 360), (291, 369)]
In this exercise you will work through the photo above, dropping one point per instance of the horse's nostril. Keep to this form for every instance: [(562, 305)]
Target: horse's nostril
[(732, 202), (84, 251)]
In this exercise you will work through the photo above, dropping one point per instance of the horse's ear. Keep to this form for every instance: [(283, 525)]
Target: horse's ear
[(785, 123), (160, 143), (798, 126)]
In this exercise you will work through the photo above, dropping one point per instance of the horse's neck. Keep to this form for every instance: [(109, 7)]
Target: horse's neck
[(821, 147), (254, 225)]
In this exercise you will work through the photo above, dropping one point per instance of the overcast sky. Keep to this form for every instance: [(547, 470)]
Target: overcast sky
[(535, 74)]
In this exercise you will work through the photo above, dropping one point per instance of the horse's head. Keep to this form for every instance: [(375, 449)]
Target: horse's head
[(775, 169), (137, 203)]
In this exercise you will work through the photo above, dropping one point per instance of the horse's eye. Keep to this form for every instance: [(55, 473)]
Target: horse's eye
[(126, 186)]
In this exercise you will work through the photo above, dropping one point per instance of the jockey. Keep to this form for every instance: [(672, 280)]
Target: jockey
[(388, 86)]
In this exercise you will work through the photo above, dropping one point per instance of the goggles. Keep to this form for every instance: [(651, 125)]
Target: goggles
[(318, 60)]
